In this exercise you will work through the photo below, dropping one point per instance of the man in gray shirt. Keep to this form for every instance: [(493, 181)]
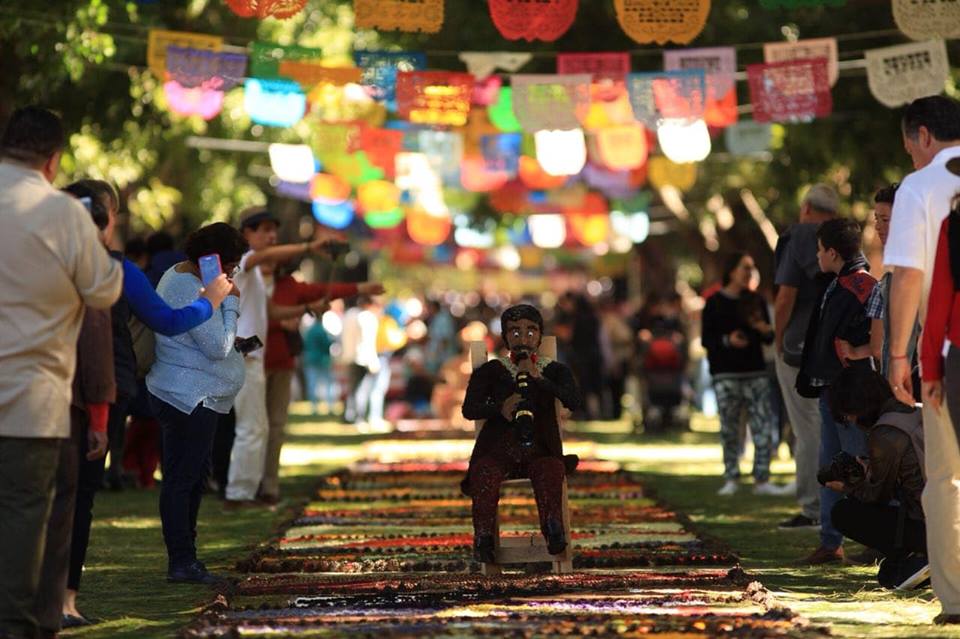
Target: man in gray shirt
[(799, 280)]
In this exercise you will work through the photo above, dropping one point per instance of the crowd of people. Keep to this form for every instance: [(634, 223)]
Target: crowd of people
[(142, 354)]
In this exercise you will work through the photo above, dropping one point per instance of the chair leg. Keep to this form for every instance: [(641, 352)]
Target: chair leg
[(491, 570), (563, 567)]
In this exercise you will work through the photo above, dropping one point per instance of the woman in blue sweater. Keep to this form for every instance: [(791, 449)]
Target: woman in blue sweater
[(194, 380), (140, 300)]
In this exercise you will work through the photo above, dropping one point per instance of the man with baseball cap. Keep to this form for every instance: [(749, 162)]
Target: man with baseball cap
[(931, 136), (259, 227)]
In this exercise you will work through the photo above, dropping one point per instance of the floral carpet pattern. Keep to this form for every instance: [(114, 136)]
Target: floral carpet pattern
[(384, 550)]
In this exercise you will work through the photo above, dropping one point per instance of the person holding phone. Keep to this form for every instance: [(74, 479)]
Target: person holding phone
[(194, 380)]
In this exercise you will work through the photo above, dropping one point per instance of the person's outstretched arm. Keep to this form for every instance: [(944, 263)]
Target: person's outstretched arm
[(159, 316)]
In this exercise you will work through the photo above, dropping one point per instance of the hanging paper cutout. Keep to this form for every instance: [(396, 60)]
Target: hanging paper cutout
[(478, 125), (683, 141), (336, 216), (482, 64), (378, 196), (806, 50), (534, 177), (444, 150), (379, 72), (900, 74), (206, 103), (613, 184), (476, 177), (420, 183), (547, 230), (748, 137), (426, 229), (279, 9), (609, 106), (381, 146), (501, 152), (544, 20), (292, 162), (384, 219), (434, 97), (399, 15), (928, 19), (723, 112), (310, 74), (550, 101), (634, 226), (355, 168), (667, 94), (329, 188), (662, 172), (621, 147), (501, 113), (274, 102), (215, 70), (601, 66), (347, 104), (790, 91), (266, 58), (719, 65), (561, 152), (486, 92), (589, 229), (662, 21), (158, 40), (295, 191), (332, 140)]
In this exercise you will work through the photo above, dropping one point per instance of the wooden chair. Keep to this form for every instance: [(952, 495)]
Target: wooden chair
[(529, 548)]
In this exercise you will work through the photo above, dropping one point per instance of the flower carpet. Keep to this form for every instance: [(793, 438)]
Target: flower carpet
[(384, 550)]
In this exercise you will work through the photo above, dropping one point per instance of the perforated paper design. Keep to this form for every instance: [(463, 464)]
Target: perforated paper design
[(205, 69), (444, 151), (379, 72), (381, 146), (922, 20), (902, 73), (805, 50), (266, 58), (662, 21), (550, 101), (399, 15), (662, 172), (484, 63), (796, 4), (158, 40), (501, 152), (621, 147), (748, 137), (310, 74), (602, 66), (667, 94), (538, 20), (206, 103), (790, 91), (434, 97), (280, 9), (719, 65)]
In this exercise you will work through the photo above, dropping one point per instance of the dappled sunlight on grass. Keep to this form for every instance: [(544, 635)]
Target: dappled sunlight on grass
[(141, 523)]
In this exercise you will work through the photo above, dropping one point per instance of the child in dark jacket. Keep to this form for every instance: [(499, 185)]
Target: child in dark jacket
[(833, 337)]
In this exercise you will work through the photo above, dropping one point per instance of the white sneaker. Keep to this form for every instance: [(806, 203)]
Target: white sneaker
[(768, 489), (729, 488)]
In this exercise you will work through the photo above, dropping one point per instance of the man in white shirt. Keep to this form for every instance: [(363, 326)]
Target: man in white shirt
[(931, 136), (51, 265), (248, 455)]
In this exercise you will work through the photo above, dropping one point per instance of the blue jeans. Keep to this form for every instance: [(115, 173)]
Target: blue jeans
[(834, 437), (320, 376), (187, 444)]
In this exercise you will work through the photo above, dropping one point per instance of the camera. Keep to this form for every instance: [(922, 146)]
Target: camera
[(844, 467), (335, 249), (523, 417)]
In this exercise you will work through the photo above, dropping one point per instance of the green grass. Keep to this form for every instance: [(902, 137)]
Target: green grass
[(124, 583)]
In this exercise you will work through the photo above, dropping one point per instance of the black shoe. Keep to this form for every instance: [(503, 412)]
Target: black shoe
[(484, 549), (869, 557), (74, 621), (193, 573), (799, 522), (556, 539), (904, 573)]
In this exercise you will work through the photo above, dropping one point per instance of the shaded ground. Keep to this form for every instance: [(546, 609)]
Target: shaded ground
[(125, 586)]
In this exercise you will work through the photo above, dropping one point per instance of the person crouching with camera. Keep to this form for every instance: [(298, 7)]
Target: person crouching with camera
[(882, 508), (521, 438)]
